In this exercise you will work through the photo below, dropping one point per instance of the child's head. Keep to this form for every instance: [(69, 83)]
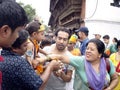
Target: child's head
[(72, 41), (12, 20), (36, 30), (106, 39), (20, 45)]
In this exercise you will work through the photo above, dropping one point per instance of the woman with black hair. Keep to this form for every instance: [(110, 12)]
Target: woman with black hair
[(92, 69)]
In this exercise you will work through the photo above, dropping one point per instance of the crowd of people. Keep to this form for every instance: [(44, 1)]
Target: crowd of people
[(29, 60)]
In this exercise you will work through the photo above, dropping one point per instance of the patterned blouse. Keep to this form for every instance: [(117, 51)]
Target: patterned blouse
[(17, 73)]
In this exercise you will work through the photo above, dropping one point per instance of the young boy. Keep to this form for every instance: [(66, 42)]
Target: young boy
[(36, 32)]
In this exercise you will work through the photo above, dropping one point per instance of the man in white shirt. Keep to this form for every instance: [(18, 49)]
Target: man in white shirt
[(59, 78)]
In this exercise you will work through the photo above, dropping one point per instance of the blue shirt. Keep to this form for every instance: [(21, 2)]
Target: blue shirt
[(17, 73), (83, 46)]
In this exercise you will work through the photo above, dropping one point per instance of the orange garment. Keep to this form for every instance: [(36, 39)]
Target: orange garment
[(107, 51), (37, 46), (39, 68)]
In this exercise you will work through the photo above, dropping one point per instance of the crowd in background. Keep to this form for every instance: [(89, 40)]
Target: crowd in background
[(65, 60)]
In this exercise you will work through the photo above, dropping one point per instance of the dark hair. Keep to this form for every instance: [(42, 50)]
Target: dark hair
[(118, 43), (100, 45), (45, 42), (115, 39), (12, 14), (23, 36), (33, 27), (106, 37), (62, 29)]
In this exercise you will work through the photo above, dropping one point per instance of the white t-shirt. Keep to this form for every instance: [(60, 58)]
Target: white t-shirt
[(61, 85)]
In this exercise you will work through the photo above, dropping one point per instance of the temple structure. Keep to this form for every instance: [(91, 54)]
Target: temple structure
[(65, 13)]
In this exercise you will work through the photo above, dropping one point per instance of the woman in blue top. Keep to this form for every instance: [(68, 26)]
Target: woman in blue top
[(91, 68)]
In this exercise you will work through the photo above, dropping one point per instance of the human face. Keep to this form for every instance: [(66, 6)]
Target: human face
[(71, 46), (97, 36), (40, 36), (62, 40), (80, 34), (92, 53), (7, 36), (106, 41), (23, 48)]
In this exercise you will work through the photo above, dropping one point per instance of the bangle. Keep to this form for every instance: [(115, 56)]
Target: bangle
[(48, 58)]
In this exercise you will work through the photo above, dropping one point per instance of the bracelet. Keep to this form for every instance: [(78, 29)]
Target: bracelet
[(48, 58)]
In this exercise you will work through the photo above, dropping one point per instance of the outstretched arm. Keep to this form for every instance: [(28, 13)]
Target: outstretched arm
[(63, 58)]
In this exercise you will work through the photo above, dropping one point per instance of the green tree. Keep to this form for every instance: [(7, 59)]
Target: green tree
[(31, 12)]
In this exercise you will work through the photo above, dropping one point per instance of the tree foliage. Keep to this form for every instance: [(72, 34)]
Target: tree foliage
[(31, 12)]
